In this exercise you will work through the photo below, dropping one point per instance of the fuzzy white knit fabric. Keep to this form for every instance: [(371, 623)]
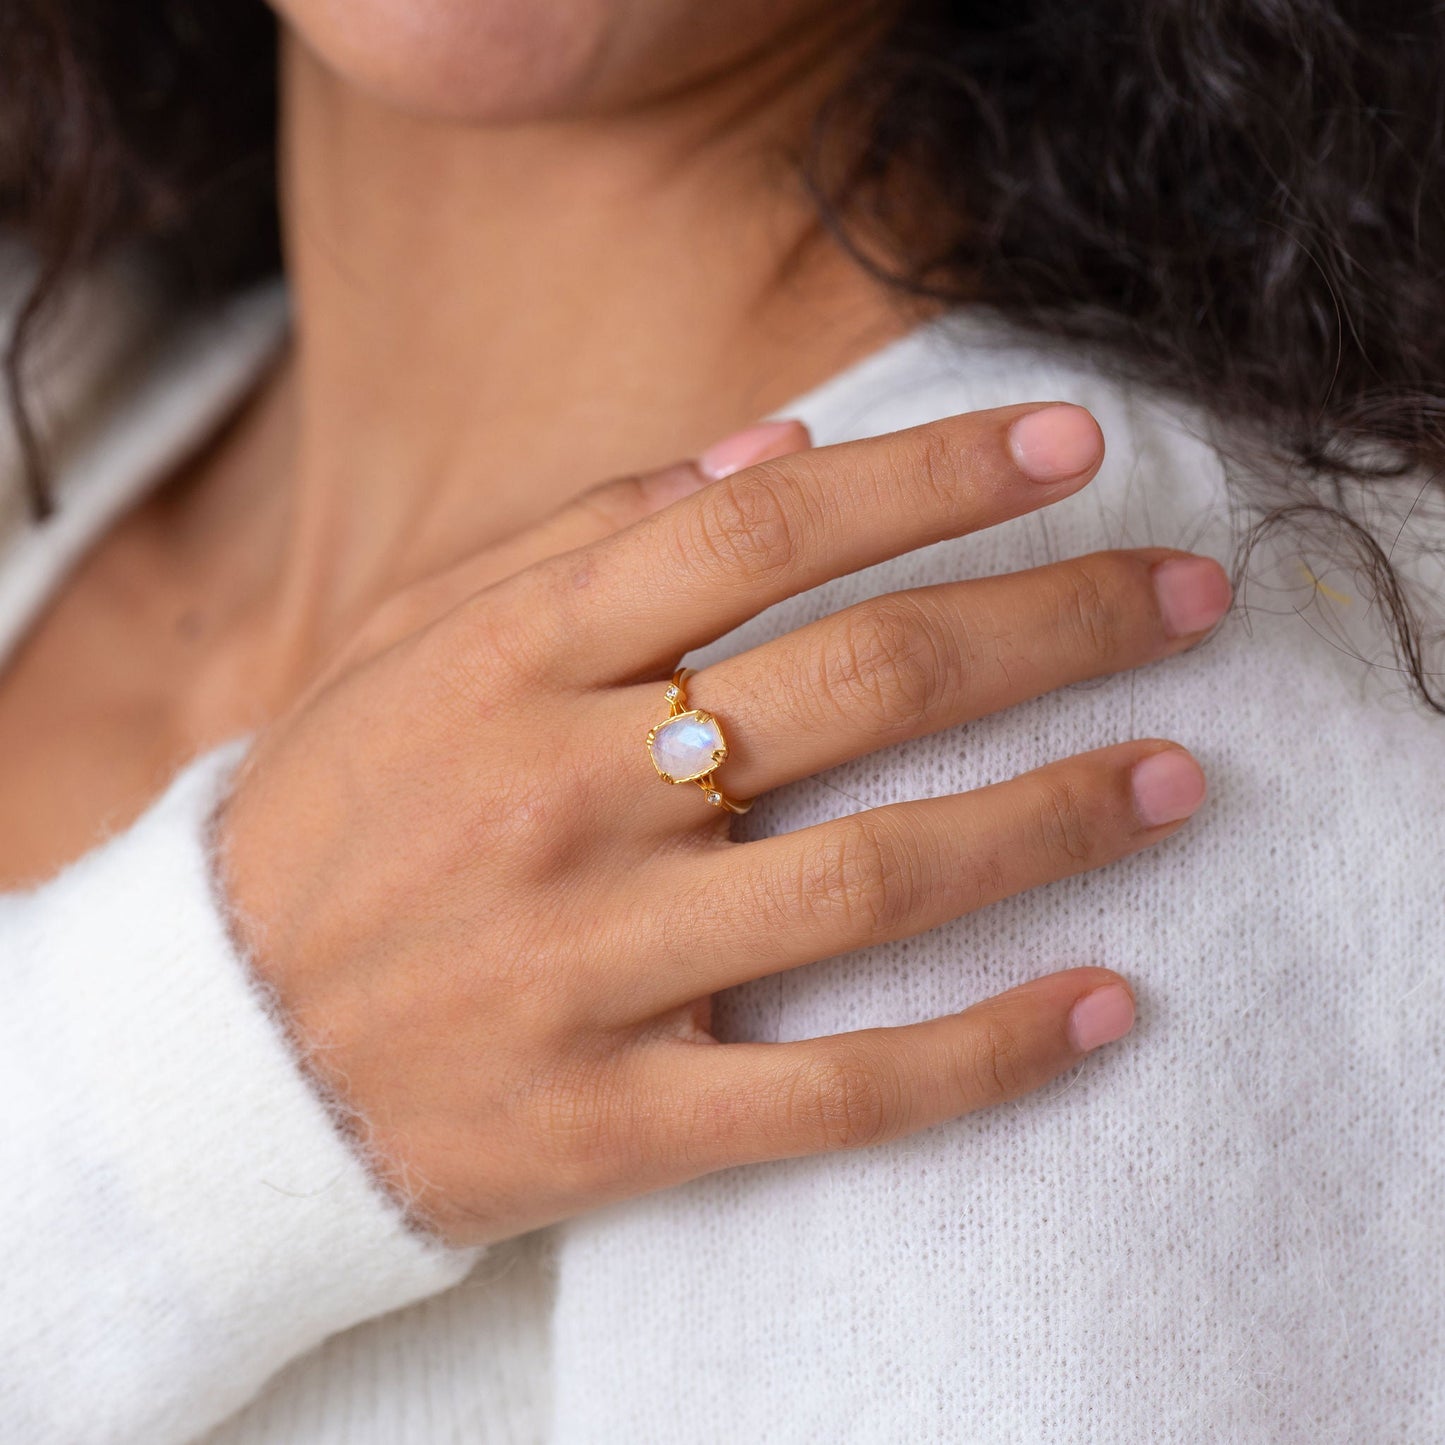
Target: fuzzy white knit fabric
[(1229, 1227)]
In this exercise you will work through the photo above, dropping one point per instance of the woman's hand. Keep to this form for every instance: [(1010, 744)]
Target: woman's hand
[(496, 934)]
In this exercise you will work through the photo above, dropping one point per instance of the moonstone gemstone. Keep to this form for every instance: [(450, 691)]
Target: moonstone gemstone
[(682, 747)]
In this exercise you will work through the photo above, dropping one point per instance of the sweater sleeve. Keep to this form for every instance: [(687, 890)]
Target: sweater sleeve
[(181, 1216)]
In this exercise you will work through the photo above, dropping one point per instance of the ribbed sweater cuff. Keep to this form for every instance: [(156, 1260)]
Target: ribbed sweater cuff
[(191, 1218)]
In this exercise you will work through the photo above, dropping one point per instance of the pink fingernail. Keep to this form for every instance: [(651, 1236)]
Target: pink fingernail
[(1193, 594), (1167, 786), (759, 443), (1056, 443), (1101, 1017)]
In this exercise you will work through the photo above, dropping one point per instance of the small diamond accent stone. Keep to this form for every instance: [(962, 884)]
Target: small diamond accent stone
[(683, 746), (714, 797), (671, 694)]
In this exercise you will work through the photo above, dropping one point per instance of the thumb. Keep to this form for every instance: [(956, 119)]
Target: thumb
[(612, 505)]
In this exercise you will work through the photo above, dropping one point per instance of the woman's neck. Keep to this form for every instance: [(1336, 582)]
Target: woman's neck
[(488, 320)]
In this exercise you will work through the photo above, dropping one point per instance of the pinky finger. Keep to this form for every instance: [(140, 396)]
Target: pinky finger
[(746, 1103)]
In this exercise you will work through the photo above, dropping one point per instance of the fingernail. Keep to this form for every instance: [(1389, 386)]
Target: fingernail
[(1055, 443), (1167, 786), (1193, 594), (759, 443), (1101, 1017)]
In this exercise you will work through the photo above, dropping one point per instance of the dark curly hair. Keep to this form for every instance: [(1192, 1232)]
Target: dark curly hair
[(1239, 201)]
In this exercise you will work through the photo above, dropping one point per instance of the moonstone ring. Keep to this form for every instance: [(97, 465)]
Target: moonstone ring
[(688, 744)]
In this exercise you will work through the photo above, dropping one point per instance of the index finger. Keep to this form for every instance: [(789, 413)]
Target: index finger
[(627, 607)]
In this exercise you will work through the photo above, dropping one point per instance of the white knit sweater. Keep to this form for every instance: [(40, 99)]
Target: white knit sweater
[(1229, 1227)]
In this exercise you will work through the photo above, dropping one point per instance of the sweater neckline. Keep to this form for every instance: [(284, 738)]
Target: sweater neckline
[(131, 435)]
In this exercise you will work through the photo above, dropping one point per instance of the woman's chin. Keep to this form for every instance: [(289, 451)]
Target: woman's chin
[(492, 62), (484, 61)]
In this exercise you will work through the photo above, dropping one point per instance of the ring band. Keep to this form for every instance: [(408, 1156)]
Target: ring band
[(688, 744)]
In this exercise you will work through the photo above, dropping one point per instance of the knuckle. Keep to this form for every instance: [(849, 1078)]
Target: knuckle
[(1067, 833), (984, 879), (744, 526), (862, 875), (889, 666), (508, 634), (529, 822), (993, 1065), (939, 463), (584, 1129), (842, 1102), (482, 668), (1091, 610), (570, 1112)]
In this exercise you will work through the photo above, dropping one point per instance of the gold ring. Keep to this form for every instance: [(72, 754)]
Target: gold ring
[(688, 744)]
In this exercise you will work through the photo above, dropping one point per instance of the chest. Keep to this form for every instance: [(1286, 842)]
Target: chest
[(97, 709)]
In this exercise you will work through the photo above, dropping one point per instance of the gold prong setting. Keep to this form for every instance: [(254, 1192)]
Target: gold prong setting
[(688, 745)]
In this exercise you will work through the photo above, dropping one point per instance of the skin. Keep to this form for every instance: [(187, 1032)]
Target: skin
[(521, 261)]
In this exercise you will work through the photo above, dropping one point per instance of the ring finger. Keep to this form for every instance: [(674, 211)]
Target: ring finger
[(908, 663)]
